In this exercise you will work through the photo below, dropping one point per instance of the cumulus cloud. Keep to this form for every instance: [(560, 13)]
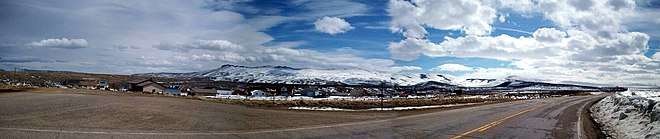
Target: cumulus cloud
[(469, 16), (211, 33), (332, 25), (318, 9), (404, 68), (502, 18), (258, 55), (124, 47), (27, 60), (656, 55), (589, 44), (601, 18), (232, 5), (59, 43), (548, 35), (211, 45), (452, 67)]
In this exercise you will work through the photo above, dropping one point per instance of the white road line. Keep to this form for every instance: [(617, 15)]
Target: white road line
[(579, 122)]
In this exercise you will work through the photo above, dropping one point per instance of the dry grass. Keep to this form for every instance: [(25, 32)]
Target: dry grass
[(41, 78), (8, 88)]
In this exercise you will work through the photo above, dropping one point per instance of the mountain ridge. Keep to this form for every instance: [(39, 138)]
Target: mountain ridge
[(290, 75)]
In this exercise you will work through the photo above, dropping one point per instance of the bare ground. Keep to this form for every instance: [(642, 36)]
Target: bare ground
[(94, 110)]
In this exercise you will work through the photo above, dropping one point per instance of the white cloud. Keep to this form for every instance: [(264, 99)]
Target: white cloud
[(59, 43), (409, 49), (335, 8), (452, 67), (262, 55), (124, 47), (211, 34), (404, 68), (332, 25), (211, 45), (469, 16), (589, 44), (548, 35), (600, 18), (656, 55), (502, 18)]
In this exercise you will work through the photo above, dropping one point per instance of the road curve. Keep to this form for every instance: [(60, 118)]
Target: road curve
[(540, 118)]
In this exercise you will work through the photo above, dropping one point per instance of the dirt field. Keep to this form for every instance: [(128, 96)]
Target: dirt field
[(92, 110), (68, 113)]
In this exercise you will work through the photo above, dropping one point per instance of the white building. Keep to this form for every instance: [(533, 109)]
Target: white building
[(224, 92), (258, 93)]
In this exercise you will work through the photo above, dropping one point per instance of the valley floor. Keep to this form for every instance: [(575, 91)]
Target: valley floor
[(68, 113)]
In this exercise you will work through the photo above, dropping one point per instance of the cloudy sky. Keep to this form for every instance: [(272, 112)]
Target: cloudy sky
[(595, 41)]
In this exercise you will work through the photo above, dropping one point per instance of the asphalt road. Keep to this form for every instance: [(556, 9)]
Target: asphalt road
[(98, 115)]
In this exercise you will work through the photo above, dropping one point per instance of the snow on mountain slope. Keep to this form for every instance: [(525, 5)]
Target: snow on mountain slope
[(282, 74), (475, 82), (288, 75)]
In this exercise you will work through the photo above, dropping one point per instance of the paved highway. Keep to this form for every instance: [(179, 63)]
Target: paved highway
[(540, 118)]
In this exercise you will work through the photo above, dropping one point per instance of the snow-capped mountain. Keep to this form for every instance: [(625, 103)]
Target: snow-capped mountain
[(479, 82), (289, 75), (520, 83)]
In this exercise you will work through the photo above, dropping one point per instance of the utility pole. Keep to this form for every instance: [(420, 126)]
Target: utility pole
[(382, 94), (381, 103)]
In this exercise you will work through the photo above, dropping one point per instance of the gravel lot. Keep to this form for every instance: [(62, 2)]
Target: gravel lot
[(94, 110)]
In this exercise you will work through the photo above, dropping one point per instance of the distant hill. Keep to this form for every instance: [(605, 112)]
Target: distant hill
[(289, 75), (32, 70)]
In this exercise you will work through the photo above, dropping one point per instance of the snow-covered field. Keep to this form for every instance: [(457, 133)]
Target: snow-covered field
[(630, 114), (380, 109), (349, 98), (292, 98)]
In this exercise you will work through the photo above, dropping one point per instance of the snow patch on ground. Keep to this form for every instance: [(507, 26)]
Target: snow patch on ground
[(347, 98), (630, 114), (380, 109)]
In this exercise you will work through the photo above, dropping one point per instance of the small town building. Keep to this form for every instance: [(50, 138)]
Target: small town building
[(358, 92), (203, 92), (340, 94), (285, 91), (258, 93), (146, 85), (310, 92), (81, 83), (224, 91)]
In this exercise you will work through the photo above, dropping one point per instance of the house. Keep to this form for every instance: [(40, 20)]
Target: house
[(358, 92), (310, 92), (203, 92), (258, 93), (285, 91), (224, 92), (340, 94), (241, 92), (84, 83), (146, 85)]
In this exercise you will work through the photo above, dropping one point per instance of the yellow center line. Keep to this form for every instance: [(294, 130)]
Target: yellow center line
[(494, 123)]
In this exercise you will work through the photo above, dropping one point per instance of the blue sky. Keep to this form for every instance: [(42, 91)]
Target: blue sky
[(610, 41)]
